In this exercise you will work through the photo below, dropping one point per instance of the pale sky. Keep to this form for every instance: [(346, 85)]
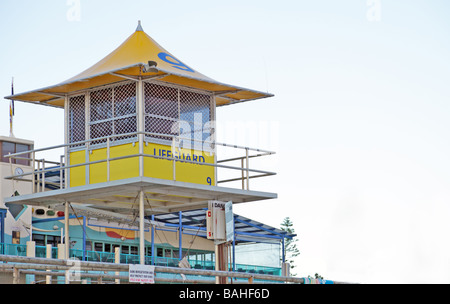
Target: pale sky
[(359, 119)]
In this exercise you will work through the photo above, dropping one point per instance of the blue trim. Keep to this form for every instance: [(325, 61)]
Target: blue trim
[(52, 219), (2, 226), (132, 229), (180, 239), (153, 243), (84, 238), (281, 235), (259, 235), (234, 244)]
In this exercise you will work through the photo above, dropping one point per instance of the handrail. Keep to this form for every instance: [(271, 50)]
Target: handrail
[(69, 263), (218, 164), (137, 133)]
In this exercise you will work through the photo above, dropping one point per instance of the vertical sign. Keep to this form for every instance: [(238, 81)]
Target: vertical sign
[(209, 228), (229, 221), (138, 273), (219, 221)]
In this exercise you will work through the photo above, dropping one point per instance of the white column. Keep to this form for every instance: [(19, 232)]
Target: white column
[(141, 228), (66, 229), (117, 261), (48, 279), (140, 124)]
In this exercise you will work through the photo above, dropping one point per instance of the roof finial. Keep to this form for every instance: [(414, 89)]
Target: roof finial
[(139, 27)]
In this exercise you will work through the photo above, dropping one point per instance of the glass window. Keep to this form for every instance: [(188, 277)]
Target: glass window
[(23, 148), (10, 147), (98, 246), (107, 247), (101, 104), (53, 240), (113, 112), (39, 239), (167, 253), (173, 111), (88, 245), (7, 147)]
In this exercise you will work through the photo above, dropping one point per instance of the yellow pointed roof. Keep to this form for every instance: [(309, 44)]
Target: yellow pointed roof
[(128, 61)]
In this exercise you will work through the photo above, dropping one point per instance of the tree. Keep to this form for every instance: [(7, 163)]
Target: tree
[(290, 246), (316, 276)]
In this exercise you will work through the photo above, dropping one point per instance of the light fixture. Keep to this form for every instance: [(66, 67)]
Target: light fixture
[(150, 67)]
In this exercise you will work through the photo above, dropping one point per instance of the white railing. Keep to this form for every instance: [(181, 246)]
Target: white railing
[(60, 267), (41, 167)]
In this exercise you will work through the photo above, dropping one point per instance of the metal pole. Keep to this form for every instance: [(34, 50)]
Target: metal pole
[(246, 161), (234, 244), (33, 163), (242, 174), (66, 141), (117, 261), (43, 175), (153, 241), (48, 279), (141, 124), (95, 266), (141, 228), (107, 159), (84, 238), (66, 230), (61, 164), (2, 230), (180, 244)]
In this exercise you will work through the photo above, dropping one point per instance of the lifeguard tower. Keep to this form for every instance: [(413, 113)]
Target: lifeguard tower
[(139, 131)]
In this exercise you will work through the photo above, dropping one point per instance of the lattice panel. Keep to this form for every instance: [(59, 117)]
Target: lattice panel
[(101, 105), (161, 100), (77, 131), (161, 110), (113, 112), (166, 106), (125, 100), (125, 110), (124, 126), (196, 110)]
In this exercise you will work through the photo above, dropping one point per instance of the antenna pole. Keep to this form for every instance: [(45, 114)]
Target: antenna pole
[(11, 110)]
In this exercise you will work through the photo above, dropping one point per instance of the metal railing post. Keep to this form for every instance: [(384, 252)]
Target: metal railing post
[(43, 175), (242, 174), (33, 178), (107, 159), (246, 160), (61, 165)]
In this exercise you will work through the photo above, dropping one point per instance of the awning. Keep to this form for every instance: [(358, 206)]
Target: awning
[(247, 230), (128, 61)]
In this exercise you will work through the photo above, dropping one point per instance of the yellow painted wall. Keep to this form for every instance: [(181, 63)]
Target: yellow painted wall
[(153, 167), (77, 174), (184, 172)]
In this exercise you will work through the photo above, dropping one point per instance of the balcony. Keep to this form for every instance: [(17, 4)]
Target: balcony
[(108, 172), (108, 257)]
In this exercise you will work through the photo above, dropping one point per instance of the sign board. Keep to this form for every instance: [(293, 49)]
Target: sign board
[(229, 221), (141, 273), (219, 221)]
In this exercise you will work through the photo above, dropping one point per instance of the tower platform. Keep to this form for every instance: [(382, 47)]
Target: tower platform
[(161, 196)]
